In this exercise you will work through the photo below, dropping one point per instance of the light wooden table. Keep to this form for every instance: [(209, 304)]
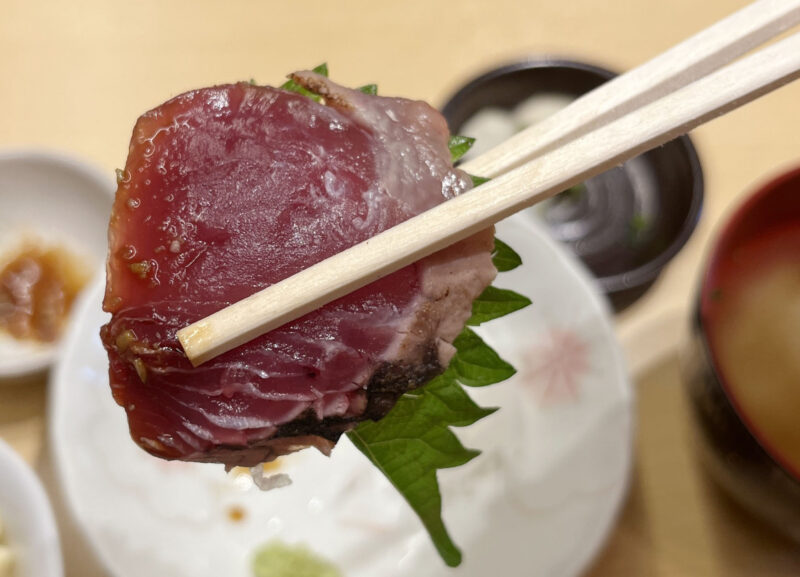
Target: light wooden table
[(75, 75)]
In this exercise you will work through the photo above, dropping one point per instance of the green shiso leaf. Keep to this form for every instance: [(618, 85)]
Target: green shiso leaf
[(321, 69), (494, 303), (414, 440), (293, 86), (476, 364), (478, 180), (504, 257), (369, 89), (459, 145)]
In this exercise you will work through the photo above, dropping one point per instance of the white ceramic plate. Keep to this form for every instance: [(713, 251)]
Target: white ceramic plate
[(28, 519), (55, 200), (539, 500)]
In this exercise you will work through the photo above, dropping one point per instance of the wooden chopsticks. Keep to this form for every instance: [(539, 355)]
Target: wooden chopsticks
[(661, 102), (695, 57)]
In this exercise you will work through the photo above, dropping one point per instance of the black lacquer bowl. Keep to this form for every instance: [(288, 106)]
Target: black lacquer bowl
[(625, 224)]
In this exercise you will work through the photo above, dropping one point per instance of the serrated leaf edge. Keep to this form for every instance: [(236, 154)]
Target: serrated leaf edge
[(448, 550)]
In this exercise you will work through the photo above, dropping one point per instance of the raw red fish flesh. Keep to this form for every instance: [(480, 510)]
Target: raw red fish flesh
[(230, 189)]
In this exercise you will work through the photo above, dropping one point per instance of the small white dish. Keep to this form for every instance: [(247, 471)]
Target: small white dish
[(539, 501), (49, 199), (30, 528)]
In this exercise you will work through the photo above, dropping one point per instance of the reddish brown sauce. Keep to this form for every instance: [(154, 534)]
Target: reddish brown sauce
[(37, 288)]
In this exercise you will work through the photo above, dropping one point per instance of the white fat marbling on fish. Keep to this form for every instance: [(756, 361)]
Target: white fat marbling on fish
[(334, 187), (451, 280), (197, 431), (408, 130), (413, 134), (236, 422)]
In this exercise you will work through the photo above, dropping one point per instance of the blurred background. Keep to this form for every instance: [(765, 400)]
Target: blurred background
[(77, 74)]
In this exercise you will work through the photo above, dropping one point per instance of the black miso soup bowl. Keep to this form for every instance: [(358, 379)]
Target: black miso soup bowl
[(625, 224)]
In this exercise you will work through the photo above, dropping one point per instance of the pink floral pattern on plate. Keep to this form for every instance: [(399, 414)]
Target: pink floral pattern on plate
[(555, 366)]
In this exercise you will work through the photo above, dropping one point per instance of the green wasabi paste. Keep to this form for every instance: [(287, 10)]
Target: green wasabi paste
[(276, 559)]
